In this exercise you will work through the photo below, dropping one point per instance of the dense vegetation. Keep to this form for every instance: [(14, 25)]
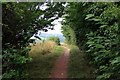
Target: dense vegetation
[(95, 27), (79, 66), (43, 56), (20, 21), (55, 39)]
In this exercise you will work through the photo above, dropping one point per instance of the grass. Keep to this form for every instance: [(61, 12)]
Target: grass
[(78, 65), (42, 65), (42, 48)]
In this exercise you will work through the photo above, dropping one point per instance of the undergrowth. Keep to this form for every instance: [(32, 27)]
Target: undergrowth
[(78, 65), (42, 65)]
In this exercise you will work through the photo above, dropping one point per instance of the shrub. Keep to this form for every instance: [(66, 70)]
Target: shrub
[(55, 39), (14, 62)]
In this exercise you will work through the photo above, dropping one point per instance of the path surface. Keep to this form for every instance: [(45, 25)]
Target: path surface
[(61, 65)]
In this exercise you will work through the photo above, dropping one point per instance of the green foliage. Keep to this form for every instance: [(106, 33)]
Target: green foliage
[(10, 74), (55, 39), (103, 44), (13, 59), (42, 65), (25, 19), (78, 65), (96, 26), (20, 21), (58, 50), (69, 35)]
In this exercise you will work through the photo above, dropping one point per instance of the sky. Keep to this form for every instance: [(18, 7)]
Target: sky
[(57, 27), (56, 32)]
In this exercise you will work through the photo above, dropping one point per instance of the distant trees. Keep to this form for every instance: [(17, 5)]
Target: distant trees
[(55, 39)]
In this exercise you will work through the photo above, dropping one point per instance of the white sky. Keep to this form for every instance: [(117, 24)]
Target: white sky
[(57, 27)]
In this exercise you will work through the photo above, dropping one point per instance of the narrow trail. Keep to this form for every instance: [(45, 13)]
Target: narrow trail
[(61, 65)]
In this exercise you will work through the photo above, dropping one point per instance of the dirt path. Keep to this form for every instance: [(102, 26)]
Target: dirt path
[(61, 65)]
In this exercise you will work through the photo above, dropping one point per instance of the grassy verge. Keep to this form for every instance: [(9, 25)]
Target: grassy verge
[(78, 65), (42, 65)]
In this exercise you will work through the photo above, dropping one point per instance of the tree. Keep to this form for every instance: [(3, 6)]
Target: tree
[(26, 19), (96, 27), (20, 21)]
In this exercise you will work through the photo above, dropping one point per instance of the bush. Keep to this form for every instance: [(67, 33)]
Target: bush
[(14, 62), (97, 30), (55, 39)]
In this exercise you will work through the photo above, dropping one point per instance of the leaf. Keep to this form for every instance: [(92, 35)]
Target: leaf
[(94, 19), (104, 76), (103, 26), (116, 60), (99, 46), (89, 16), (90, 42)]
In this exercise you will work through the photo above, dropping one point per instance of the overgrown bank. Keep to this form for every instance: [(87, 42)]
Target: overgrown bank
[(79, 66), (44, 57)]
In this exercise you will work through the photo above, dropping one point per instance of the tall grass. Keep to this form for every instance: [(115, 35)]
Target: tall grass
[(79, 66), (42, 48), (42, 65)]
